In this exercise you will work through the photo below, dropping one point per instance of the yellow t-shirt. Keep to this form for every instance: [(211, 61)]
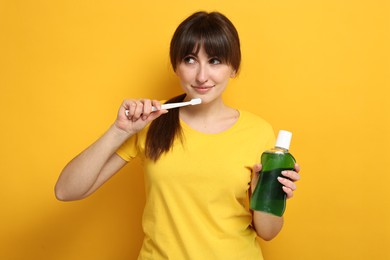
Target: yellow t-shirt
[(196, 194)]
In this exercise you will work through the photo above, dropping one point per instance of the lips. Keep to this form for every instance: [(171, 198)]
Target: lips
[(202, 89)]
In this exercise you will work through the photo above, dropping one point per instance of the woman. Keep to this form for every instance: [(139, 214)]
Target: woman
[(198, 159)]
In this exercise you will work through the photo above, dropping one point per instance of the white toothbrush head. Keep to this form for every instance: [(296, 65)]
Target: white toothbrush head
[(196, 101)]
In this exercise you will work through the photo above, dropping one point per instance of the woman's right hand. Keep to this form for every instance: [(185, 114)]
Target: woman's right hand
[(139, 114)]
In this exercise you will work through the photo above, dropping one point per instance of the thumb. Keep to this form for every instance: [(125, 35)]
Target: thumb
[(255, 175), (156, 114)]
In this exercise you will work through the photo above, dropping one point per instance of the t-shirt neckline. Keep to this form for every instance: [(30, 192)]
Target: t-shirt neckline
[(226, 131)]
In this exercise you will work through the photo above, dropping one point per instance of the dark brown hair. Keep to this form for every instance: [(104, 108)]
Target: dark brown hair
[(213, 31), (219, 38)]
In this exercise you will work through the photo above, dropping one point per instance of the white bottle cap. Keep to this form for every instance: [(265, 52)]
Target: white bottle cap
[(284, 139)]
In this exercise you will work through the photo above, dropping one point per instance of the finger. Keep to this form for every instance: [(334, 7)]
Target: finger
[(156, 104), (292, 175), (125, 109), (156, 114), (287, 183), (297, 167), (289, 192), (257, 167), (130, 107), (147, 108), (138, 110)]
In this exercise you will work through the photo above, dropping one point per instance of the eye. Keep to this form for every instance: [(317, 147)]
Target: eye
[(189, 59), (215, 61)]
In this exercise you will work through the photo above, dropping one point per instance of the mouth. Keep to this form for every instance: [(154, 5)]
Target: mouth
[(202, 89)]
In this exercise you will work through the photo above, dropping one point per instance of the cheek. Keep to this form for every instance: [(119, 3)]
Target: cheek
[(182, 78), (183, 75), (223, 76)]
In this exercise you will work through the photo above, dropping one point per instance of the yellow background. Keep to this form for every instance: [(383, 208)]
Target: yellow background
[(318, 68)]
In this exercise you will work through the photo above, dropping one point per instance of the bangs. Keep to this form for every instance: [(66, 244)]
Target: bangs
[(216, 35), (215, 45)]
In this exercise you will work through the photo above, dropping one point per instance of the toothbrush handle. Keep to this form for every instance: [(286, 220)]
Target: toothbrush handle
[(154, 109), (166, 106), (173, 105)]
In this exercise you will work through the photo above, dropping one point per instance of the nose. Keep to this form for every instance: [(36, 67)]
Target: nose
[(202, 74)]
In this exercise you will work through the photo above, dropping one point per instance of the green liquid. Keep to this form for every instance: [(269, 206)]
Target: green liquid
[(268, 195)]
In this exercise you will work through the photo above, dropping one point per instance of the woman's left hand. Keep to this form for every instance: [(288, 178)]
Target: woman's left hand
[(288, 182)]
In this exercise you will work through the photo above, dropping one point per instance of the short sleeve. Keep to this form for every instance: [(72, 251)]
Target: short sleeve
[(129, 149)]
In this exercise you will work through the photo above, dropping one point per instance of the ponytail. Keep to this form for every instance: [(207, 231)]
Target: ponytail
[(163, 131)]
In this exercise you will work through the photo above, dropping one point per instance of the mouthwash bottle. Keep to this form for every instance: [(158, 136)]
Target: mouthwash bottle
[(268, 195)]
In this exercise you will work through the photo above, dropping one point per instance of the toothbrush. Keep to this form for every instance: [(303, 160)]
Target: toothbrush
[(192, 102)]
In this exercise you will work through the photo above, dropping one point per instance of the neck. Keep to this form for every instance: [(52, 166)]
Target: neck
[(206, 111), (210, 118)]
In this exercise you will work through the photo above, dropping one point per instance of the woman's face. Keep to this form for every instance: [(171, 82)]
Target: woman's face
[(203, 76)]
